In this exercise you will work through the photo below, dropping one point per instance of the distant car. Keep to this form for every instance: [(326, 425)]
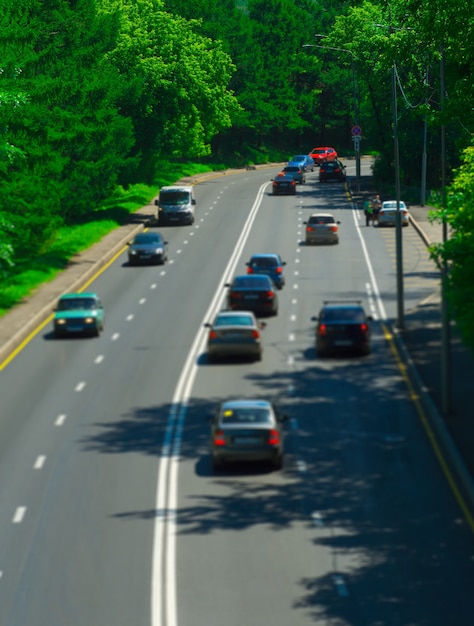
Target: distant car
[(332, 170), (342, 327), (235, 333), (283, 184), (323, 153), (295, 171), (247, 430), (304, 161), (254, 292), (269, 264), (78, 313), (149, 247), (322, 228), (388, 213)]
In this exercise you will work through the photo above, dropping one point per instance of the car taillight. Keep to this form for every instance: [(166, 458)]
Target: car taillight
[(219, 439), (268, 294), (308, 229), (293, 182), (255, 334), (249, 270), (364, 328), (333, 229), (322, 329), (212, 334), (275, 184), (273, 437), (279, 270), (235, 294)]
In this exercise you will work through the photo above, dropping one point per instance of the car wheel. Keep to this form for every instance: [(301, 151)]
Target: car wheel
[(217, 464), (277, 463)]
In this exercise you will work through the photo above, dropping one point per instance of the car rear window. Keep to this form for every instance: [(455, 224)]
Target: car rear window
[(252, 281), (264, 262), (234, 320), (246, 416), (343, 315), (323, 219)]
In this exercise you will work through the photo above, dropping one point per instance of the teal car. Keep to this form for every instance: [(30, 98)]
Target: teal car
[(78, 314)]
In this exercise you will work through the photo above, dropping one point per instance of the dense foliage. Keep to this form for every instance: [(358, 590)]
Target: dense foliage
[(94, 94)]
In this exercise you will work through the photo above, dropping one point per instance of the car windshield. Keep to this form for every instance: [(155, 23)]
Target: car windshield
[(321, 219), (70, 304), (257, 282), (146, 238), (250, 415), (392, 204), (234, 320), (343, 315), (174, 197)]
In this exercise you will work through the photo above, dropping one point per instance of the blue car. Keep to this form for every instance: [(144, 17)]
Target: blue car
[(304, 161), (269, 264)]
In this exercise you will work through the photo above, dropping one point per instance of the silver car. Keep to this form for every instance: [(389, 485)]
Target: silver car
[(235, 333), (247, 430), (322, 228), (388, 213)]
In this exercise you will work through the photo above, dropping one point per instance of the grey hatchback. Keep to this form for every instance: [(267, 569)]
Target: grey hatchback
[(148, 247)]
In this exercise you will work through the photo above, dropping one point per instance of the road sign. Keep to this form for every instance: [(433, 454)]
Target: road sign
[(356, 131)]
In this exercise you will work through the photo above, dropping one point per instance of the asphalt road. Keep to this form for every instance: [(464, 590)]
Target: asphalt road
[(109, 510)]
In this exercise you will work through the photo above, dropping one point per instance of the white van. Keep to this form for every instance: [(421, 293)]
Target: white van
[(176, 204)]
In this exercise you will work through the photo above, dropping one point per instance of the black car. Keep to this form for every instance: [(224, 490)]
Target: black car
[(342, 327), (254, 292), (147, 247), (283, 184), (332, 170)]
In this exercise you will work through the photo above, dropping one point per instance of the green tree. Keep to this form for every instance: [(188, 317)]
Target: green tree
[(458, 250)]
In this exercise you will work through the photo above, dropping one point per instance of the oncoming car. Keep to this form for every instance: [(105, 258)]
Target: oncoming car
[(342, 327), (388, 213), (78, 313), (149, 247), (247, 430), (322, 228), (234, 333)]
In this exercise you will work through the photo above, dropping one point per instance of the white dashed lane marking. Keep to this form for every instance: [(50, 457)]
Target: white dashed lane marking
[(80, 386), (60, 420), (39, 463), (19, 515), (99, 359)]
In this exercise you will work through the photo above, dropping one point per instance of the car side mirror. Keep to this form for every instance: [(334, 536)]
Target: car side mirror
[(262, 325), (207, 325), (227, 285), (284, 263), (283, 417), (193, 201), (314, 318), (156, 202), (305, 222)]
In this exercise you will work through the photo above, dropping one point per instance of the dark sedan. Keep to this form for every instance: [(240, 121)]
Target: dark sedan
[(247, 430), (283, 184), (147, 247), (254, 292), (342, 327), (332, 170)]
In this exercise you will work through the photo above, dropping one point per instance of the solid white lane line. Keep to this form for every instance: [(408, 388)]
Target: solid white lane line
[(60, 420), (19, 515), (39, 463), (163, 581)]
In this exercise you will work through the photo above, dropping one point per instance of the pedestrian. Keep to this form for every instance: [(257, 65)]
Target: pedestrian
[(376, 205), (368, 212)]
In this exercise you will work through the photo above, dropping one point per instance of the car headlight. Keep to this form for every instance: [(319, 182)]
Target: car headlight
[(159, 251), (89, 320), (132, 251), (60, 321)]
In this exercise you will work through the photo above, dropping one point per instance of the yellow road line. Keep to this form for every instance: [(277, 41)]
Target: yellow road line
[(429, 431)]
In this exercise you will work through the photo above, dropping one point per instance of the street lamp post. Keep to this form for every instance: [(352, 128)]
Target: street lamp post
[(355, 99)]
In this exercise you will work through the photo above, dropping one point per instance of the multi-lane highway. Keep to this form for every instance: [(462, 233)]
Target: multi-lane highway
[(110, 514)]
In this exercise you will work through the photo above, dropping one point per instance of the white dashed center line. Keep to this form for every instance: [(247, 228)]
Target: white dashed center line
[(130, 317), (19, 515), (60, 420), (142, 301), (80, 386), (115, 336), (40, 461)]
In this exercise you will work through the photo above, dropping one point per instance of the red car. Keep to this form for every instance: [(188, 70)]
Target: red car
[(323, 154)]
